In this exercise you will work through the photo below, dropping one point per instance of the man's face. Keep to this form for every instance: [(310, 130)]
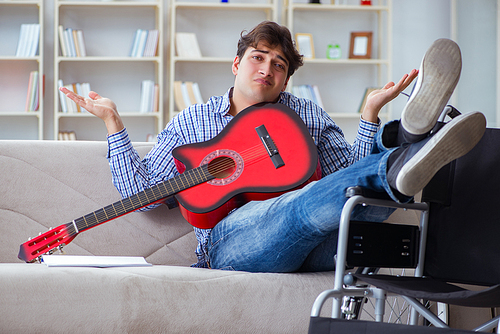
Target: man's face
[(261, 74)]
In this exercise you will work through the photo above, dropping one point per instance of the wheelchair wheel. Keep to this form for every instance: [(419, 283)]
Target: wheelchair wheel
[(397, 310)]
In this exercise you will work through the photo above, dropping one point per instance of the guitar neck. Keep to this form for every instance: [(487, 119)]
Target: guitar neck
[(142, 199)]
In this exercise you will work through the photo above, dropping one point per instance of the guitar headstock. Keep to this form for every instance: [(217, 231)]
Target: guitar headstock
[(46, 243)]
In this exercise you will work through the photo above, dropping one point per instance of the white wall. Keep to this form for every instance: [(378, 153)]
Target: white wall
[(416, 24)]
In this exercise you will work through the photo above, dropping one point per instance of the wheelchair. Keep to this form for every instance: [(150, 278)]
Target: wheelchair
[(455, 244)]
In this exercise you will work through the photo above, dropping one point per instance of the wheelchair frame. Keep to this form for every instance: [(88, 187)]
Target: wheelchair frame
[(340, 290)]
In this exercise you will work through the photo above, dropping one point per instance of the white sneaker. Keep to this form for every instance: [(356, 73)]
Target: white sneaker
[(416, 166), (438, 76)]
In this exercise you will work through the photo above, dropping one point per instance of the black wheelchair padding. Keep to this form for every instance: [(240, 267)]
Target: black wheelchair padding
[(382, 245), (464, 224), (320, 325)]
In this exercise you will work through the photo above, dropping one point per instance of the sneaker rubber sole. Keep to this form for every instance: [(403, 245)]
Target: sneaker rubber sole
[(438, 76), (454, 140)]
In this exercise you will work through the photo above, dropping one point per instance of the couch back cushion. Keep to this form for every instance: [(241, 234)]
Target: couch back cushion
[(48, 183)]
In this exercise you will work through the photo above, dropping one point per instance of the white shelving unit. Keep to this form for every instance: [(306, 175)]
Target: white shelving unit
[(15, 71), (109, 29), (338, 78), (217, 36)]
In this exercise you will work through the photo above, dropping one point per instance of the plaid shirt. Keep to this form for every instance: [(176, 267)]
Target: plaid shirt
[(202, 122)]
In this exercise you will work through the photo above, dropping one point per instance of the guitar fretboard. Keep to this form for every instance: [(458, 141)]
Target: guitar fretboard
[(142, 199)]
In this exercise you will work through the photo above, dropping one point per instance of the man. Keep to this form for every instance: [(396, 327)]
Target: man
[(298, 230)]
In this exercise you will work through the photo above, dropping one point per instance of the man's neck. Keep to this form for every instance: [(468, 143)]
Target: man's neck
[(237, 105)]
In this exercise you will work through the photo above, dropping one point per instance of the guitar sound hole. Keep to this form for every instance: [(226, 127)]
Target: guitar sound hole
[(221, 167)]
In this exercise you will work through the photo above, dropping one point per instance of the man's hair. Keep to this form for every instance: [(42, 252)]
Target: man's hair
[(274, 35)]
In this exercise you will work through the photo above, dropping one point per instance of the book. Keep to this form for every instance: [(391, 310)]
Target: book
[(94, 261), (186, 94), (310, 92), (365, 96), (186, 45), (68, 105), (142, 43), (81, 43), (62, 98), (148, 96), (29, 37), (71, 42), (135, 42), (178, 98), (151, 43), (33, 92), (62, 41), (156, 104), (190, 91), (145, 43), (197, 93), (66, 135)]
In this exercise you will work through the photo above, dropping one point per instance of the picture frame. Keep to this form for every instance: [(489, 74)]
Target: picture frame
[(361, 45), (305, 45)]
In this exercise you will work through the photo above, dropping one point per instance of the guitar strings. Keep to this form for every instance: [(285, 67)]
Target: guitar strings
[(250, 156)]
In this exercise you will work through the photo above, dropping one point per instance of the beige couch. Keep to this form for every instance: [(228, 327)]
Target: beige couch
[(45, 184)]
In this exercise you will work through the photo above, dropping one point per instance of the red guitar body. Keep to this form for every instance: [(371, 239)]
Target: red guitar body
[(253, 174)]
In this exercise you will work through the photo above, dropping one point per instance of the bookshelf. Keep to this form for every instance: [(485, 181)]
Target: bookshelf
[(15, 70), (337, 79), (109, 29), (217, 36)]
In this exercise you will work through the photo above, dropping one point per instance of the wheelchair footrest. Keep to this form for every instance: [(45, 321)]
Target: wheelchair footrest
[(382, 245)]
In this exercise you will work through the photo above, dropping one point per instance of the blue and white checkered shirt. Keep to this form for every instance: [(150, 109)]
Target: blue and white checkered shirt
[(202, 122)]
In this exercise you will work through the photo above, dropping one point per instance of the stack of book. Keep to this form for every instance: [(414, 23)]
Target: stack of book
[(72, 42), (33, 91), (68, 105), (145, 43), (150, 96), (66, 135), (186, 93), (186, 45), (28, 40), (310, 92)]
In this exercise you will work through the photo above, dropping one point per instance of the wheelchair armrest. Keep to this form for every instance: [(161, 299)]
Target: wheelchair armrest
[(360, 191)]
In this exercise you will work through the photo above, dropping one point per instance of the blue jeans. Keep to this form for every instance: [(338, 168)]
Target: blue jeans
[(298, 230)]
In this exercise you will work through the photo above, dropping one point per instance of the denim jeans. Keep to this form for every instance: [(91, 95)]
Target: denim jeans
[(298, 230)]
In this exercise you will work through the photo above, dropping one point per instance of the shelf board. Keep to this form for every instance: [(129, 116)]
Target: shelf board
[(20, 2), (219, 5), (107, 58), (35, 58), (108, 3), (346, 61), (204, 59), (322, 7), (306, 61), (20, 113), (122, 114)]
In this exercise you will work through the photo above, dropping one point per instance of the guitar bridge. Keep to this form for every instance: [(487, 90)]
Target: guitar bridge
[(270, 146)]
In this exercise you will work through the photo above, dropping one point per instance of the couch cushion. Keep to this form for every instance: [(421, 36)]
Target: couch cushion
[(157, 299), (48, 183)]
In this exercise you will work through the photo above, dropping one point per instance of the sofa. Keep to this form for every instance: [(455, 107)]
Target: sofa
[(45, 184), (48, 183)]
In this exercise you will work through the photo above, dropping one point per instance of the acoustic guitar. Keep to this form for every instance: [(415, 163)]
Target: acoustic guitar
[(263, 152)]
